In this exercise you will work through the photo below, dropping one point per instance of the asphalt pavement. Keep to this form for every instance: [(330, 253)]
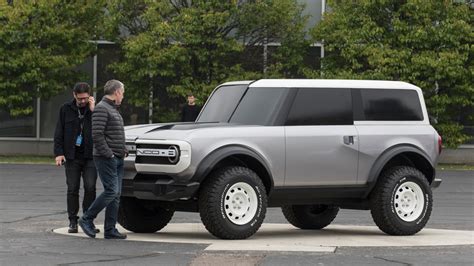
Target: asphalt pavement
[(33, 203)]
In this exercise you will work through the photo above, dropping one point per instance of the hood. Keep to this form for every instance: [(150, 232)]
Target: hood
[(133, 132), (181, 131)]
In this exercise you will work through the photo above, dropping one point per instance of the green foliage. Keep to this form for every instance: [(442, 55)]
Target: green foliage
[(193, 46), (181, 49), (40, 44), (427, 43), (280, 22)]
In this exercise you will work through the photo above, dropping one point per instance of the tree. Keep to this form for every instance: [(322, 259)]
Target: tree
[(41, 43), (282, 22), (183, 46), (427, 43)]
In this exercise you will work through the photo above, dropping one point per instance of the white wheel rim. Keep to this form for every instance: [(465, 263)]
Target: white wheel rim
[(240, 203), (409, 201)]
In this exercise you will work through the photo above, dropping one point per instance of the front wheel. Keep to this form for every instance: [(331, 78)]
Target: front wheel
[(401, 202), (140, 216), (232, 203)]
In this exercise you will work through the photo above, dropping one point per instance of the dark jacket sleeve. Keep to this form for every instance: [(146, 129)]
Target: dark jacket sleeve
[(183, 111), (59, 134), (99, 124)]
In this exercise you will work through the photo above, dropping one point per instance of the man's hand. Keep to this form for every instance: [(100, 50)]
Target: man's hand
[(91, 103), (59, 160)]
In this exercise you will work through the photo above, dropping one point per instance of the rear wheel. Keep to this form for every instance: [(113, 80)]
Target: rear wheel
[(310, 216), (401, 202), (232, 203), (141, 216)]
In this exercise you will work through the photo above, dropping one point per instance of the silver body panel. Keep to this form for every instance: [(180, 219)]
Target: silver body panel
[(299, 155), (375, 139), (268, 142), (317, 155)]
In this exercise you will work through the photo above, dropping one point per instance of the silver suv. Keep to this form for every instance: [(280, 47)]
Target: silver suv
[(310, 147)]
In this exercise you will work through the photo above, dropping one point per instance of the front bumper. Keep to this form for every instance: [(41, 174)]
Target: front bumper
[(436, 183), (158, 187)]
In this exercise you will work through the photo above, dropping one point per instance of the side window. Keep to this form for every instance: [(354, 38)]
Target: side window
[(321, 107), (259, 106), (395, 105)]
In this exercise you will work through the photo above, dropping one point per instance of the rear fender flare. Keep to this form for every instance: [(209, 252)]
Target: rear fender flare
[(386, 156)]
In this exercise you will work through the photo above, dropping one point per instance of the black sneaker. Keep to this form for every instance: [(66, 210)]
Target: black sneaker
[(72, 227), (87, 227), (96, 229), (115, 234)]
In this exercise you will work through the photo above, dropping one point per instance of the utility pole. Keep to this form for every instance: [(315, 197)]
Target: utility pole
[(265, 56), (150, 101)]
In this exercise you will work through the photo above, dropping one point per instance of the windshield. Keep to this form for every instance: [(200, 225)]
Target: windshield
[(222, 104)]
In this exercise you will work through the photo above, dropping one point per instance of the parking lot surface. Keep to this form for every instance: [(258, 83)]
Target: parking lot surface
[(33, 204)]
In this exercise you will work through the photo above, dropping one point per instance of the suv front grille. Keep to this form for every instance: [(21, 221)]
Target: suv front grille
[(157, 154)]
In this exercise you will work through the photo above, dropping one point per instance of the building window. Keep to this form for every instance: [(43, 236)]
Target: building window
[(49, 112), (18, 126)]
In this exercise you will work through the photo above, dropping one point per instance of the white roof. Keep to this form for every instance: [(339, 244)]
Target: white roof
[(242, 82), (332, 83)]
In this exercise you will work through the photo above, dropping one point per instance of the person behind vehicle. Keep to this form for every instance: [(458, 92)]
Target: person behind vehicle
[(73, 147), (109, 152), (191, 110)]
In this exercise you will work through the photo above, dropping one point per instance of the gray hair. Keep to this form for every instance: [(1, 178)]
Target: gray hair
[(112, 86)]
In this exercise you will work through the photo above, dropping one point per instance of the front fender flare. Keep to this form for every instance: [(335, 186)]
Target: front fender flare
[(211, 160)]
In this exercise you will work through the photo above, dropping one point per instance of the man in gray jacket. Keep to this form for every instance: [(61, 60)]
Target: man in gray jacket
[(109, 151)]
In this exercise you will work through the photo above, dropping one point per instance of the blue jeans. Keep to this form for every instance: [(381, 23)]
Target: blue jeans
[(111, 174)]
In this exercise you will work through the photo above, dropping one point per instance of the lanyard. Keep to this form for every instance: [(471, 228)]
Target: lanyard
[(81, 119)]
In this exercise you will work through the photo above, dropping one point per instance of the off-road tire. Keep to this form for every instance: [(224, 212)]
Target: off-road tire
[(214, 211), (137, 216), (312, 217), (384, 197)]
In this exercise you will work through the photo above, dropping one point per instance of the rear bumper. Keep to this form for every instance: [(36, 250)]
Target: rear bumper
[(436, 183), (158, 187)]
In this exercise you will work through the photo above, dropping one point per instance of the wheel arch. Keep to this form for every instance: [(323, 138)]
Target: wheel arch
[(238, 155), (402, 154)]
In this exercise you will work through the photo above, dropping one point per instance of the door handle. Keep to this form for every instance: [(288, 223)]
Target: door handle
[(348, 140)]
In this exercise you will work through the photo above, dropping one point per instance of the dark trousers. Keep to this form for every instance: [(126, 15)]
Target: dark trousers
[(74, 170), (111, 174)]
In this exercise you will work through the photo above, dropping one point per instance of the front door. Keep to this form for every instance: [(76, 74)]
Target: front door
[(322, 145)]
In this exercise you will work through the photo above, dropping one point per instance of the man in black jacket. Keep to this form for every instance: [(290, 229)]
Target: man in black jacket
[(190, 111), (73, 146), (109, 152)]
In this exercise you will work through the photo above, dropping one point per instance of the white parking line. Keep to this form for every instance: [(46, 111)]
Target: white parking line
[(284, 237)]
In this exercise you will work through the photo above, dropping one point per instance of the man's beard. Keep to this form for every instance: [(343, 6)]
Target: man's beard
[(81, 105)]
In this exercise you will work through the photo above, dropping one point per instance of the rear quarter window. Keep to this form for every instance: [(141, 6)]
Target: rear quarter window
[(390, 105)]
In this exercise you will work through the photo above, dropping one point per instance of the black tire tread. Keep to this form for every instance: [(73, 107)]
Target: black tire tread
[(132, 217), (210, 196), (381, 205), (302, 221)]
